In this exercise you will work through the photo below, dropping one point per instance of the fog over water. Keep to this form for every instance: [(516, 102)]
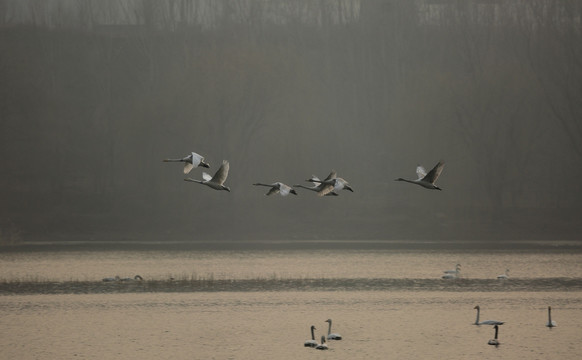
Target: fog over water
[(95, 94)]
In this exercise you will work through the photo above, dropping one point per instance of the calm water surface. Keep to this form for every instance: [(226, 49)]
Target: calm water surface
[(405, 314)]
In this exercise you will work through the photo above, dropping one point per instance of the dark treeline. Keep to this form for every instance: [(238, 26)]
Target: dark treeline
[(95, 94)]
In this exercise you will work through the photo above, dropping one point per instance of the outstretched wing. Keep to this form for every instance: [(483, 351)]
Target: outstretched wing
[(332, 175), (420, 172), (272, 191), (284, 190), (206, 176), (434, 174), (222, 173), (196, 159), (188, 167), (325, 189)]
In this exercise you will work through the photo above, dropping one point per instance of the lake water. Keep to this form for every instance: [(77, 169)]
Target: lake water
[(259, 304)]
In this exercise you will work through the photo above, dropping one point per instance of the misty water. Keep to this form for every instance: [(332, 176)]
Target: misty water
[(258, 304)]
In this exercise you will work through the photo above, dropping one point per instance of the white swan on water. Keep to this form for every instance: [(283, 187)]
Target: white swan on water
[(323, 345), (190, 162), (504, 276), (312, 342), (427, 180), (330, 335), (495, 341), (551, 323), (456, 271), (486, 322), (215, 182)]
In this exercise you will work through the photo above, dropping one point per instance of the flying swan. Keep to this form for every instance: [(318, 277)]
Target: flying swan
[(312, 342), (190, 162), (278, 188), (551, 323), (427, 180), (332, 183), (317, 186), (486, 322), (217, 181), (331, 336)]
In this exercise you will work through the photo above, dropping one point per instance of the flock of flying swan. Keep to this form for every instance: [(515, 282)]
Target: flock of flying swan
[(330, 186)]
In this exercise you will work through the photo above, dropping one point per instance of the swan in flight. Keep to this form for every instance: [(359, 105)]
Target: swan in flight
[(323, 345), (278, 188), (504, 276), (331, 336), (190, 162), (486, 322), (427, 180), (331, 183), (317, 186), (217, 181), (312, 342), (494, 341), (551, 323)]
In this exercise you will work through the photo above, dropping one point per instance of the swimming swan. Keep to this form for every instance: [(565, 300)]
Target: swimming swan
[(550, 323), (331, 336), (217, 181), (312, 342), (427, 180), (504, 276), (486, 322), (323, 345), (456, 271), (494, 341), (278, 188), (190, 162)]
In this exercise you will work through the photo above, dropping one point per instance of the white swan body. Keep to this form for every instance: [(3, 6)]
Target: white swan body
[(278, 188), (332, 183), (427, 180), (215, 182), (135, 278), (311, 343), (323, 345), (495, 341), (110, 279), (486, 322), (450, 276), (317, 186), (190, 162), (456, 271), (504, 276), (550, 322), (330, 335)]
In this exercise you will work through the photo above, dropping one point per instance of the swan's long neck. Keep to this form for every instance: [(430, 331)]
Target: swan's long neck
[(550, 316), (496, 332), (312, 334), (477, 320), (410, 181), (329, 328)]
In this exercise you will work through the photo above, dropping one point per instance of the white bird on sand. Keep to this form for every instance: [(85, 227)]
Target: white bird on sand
[(504, 276), (494, 341), (331, 336), (317, 186), (217, 181), (456, 271), (312, 342), (486, 322), (278, 188), (323, 345), (190, 162), (550, 323), (332, 183), (427, 180)]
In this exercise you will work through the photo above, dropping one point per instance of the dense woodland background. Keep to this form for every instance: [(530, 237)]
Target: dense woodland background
[(95, 93)]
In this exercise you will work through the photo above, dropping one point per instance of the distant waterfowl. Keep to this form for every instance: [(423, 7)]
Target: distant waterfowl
[(108, 279), (278, 188), (504, 276), (317, 186), (486, 322), (135, 278), (456, 271), (332, 183), (330, 335), (312, 342), (494, 341), (215, 182), (450, 276), (427, 180), (551, 323), (190, 162), (323, 345)]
